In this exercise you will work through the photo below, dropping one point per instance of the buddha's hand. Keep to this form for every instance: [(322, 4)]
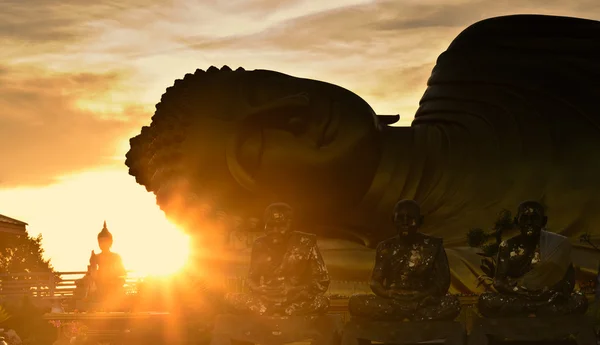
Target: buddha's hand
[(292, 291), (298, 295), (403, 295), (555, 296), (269, 290)]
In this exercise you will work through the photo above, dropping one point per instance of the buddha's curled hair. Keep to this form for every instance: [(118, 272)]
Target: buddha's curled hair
[(155, 156)]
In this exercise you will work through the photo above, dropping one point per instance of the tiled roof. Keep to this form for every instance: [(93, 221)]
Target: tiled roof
[(8, 220)]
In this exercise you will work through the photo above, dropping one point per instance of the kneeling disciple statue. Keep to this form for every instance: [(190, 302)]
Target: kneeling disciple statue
[(411, 276), (287, 273), (535, 275)]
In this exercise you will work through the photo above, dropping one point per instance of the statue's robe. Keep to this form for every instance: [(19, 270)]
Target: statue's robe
[(547, 268), (109, 277), (418, 266), (298, 264)]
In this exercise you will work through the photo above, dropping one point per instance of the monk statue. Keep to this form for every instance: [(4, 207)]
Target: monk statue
[(411, 275), (106, 269), (535, 275), (287, 273)]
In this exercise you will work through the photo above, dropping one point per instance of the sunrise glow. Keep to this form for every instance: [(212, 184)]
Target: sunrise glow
[(70, 214)]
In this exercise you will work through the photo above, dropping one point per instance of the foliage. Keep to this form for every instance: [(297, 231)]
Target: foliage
[(587, 239), (22, 254), (27, 320), (489, 242)]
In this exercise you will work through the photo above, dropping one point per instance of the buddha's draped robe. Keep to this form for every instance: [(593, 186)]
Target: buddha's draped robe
[(110, 274)]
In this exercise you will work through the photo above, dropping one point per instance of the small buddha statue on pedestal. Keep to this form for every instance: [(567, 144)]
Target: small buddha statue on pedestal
[(106, 269)]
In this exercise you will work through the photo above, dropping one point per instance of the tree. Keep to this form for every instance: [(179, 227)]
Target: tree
[(489, 242), (22, 254)]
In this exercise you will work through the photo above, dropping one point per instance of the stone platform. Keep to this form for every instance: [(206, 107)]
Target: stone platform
[(534, 329), (397, 332), (277, 330)]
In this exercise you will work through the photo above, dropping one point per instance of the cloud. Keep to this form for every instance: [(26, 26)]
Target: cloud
[(44, 133)]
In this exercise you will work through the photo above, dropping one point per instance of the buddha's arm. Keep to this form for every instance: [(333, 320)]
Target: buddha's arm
[(121, 271), (318, 272), (379, 273), (549, 279), (253, 279), (502, 282), (440, 280), (567, 284)]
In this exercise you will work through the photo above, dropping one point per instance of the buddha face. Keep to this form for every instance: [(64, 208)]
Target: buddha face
[(268, 133), (530, 219), (105, 243), (278, 223), (407, 218)]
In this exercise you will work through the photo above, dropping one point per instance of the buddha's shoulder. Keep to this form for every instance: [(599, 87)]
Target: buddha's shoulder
[(260, 240), (304, 237), (431, 241), (511, 242), (387, 243)]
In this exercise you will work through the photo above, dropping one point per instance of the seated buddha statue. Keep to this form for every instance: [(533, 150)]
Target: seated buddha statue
[(106, 269), (287, 273), (411, 276), (535, 276)]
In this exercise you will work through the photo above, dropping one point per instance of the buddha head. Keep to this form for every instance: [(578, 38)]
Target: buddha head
[(233, 135), (530, 219), (278, 221), (407, 218), (105, 239)]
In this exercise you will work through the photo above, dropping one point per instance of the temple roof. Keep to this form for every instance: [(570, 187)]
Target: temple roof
[(5, 219), (11, 225)]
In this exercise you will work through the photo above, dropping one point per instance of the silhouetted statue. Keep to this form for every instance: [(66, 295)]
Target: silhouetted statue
[(513, 100), (535, 274), (106, 269), (411, 275), (287, 273)]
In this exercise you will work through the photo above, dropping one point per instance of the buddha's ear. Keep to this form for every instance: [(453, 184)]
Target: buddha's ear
[(544, 221), (244, 128), (421, 220), (516, 221)]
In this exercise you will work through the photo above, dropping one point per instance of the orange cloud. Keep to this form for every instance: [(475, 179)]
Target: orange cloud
[(44, 134)]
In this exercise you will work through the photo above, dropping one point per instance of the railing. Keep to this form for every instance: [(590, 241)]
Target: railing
[(49, 285)]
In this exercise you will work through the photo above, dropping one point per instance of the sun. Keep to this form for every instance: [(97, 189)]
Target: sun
[(161, 255)]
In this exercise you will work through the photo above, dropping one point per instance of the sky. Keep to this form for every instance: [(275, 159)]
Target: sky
[(79, 78)]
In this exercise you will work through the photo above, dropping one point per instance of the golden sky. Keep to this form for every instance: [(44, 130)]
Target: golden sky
[(79, 78)]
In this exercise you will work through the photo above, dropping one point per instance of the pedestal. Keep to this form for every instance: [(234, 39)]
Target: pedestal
[(271, 330), (534, 329), (397, 332)]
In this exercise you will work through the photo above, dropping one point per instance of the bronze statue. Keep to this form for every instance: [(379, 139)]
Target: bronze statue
[(287, 274), (535, 275), (411, 275), (510, 110), (106, 269)]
